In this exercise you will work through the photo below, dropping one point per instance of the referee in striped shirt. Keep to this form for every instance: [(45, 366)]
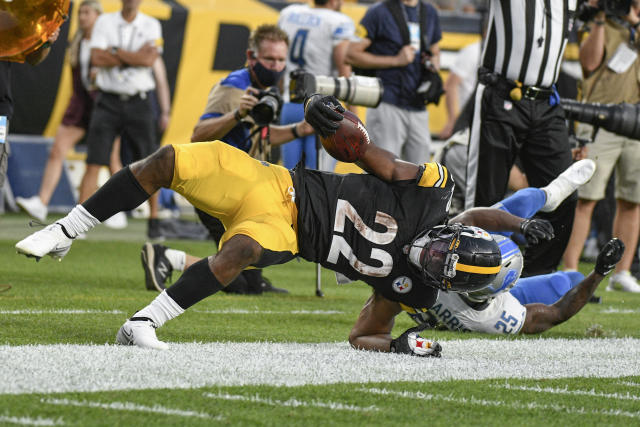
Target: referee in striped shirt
[(517, 112)]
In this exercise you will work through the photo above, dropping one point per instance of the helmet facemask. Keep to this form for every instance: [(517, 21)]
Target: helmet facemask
[(436, 254)]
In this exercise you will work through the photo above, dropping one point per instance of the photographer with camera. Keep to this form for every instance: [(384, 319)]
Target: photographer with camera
[(609, 59), (244, 103), (399, 41)]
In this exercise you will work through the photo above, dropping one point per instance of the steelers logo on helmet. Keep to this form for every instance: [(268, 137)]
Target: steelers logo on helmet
[(402, 284), (510, 270), (456, 257)]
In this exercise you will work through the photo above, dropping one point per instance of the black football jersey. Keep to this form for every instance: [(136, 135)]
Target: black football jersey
[(358, 225)]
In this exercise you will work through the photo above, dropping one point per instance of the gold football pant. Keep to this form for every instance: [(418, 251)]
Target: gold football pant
[(250, 197)]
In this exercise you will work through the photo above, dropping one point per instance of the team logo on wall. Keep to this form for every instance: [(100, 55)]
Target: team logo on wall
[(402, 285)]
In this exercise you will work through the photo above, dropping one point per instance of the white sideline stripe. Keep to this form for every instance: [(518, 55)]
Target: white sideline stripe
[(499, 403), (79, 368), (62, 311), (612, 310), (243, 311), (628, 383), (293, 402), (27, 421), (129, 406), (552, 390)]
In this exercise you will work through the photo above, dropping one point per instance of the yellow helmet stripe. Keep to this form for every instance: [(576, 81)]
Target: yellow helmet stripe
[(477, 269)]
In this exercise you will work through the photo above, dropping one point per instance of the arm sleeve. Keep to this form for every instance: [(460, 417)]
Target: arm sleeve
[(434, 22), (368, 27), (99, 39), (158, 41), (344, 30)]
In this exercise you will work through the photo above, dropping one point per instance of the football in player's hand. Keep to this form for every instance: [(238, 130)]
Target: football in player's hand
[(349, 142)]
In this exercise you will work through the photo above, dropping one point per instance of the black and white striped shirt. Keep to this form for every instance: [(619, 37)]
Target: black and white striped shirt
[(526, 39)]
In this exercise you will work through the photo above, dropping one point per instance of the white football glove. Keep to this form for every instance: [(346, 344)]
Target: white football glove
[(412, 343)]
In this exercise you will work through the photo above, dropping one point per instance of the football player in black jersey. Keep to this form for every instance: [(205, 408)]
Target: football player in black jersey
[(384, 228)]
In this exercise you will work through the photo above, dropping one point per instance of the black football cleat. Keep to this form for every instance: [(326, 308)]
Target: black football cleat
[(157, 268)]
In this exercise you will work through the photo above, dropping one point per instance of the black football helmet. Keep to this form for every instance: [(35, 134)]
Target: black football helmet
[(455, 257)]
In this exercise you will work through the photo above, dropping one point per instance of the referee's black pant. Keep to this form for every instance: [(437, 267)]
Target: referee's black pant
[(503, 128)]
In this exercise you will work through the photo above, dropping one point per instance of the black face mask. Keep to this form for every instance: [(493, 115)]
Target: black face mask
[(265, 76)]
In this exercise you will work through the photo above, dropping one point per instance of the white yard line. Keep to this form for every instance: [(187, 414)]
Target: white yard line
[(552, 390), (28, 421), (62, 311), (71, 368), (293, 402), (244, 311), (628, 383), (613, 310), (499, 403), (129, 406)]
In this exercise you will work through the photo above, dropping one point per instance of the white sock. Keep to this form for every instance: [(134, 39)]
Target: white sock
[(176, 258), (79, 220), (161, 309)]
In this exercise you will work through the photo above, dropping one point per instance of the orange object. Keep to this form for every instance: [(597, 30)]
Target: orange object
[(26, 25)]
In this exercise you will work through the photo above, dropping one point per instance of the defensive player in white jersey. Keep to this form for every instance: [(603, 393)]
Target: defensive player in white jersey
[(530, 305), (318, 42)]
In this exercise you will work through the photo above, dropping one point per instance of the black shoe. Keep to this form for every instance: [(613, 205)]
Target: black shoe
[(266, 286), (154, 232), (157, 268)]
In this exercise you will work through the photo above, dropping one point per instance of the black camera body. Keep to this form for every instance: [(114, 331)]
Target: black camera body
[(431, 87), (268, 107), (618, 8)]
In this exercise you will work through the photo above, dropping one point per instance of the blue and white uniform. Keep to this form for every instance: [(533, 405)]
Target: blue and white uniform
[(313, 34), (506, 312)]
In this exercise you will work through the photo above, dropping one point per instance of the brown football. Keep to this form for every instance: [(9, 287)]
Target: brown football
[(349, 142)]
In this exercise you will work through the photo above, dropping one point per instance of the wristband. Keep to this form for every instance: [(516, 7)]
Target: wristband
[(598, 22), (294, 132), (237, 116)]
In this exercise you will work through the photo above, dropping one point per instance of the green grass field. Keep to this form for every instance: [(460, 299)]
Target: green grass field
[(273, 359)]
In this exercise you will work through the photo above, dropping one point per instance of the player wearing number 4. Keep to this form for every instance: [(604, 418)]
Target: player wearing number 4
[(319, 38), (384, 228)]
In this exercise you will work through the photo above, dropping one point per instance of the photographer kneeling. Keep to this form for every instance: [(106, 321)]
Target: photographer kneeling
[(240, 110), (611, 68)]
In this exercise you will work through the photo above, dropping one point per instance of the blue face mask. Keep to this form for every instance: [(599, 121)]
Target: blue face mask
[(265, 76)]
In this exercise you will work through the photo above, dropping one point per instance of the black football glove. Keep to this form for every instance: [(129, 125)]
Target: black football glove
[(609, 256), (323, 114), (535, 230), (412, 343)]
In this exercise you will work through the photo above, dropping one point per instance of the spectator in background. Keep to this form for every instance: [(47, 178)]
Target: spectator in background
[(319, 38), (609, 59), (76, 117), (226, 118), (517, 113), (400, 123), (124, 47), (6, 98)]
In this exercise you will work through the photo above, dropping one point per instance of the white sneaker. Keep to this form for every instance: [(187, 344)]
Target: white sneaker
[(567, 182), (623, 281), (51, 240), (117, 221), (140, 331), (33, 206)]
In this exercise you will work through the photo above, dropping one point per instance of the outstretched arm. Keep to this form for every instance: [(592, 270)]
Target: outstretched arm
[(492, 219), (323, 113), (541, 317), (372, 331)]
